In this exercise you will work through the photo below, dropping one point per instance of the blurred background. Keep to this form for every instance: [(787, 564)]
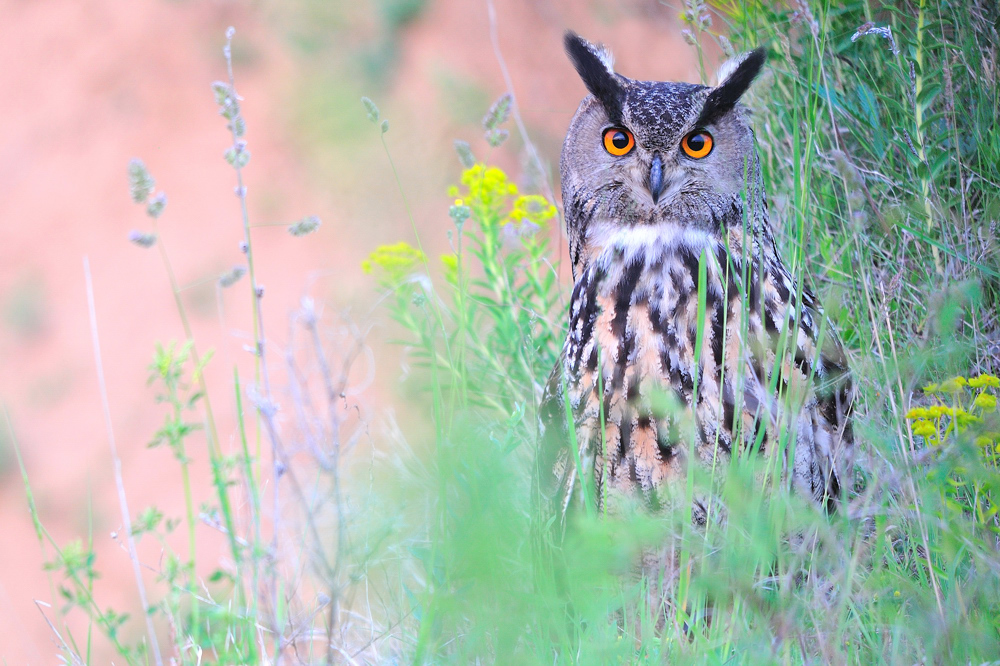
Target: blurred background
[(86, 86)]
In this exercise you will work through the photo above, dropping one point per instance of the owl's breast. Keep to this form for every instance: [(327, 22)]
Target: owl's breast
[(642, 361)]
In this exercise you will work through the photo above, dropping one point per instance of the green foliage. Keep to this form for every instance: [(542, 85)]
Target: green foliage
[(881, 163), (168, 368), (492, 337), (880, 166), (887, 109)]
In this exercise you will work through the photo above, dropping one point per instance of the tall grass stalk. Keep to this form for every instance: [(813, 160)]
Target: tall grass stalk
[(119, 483)]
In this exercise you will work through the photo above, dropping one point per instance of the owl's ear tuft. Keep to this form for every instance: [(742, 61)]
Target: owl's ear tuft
[(595, 65), (735, 76)]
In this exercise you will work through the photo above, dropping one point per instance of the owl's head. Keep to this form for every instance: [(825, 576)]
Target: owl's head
[(643, 152)]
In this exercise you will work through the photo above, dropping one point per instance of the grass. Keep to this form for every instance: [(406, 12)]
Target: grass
[(417, 541)]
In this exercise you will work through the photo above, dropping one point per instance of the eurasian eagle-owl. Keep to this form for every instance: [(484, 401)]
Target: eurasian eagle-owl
[(666, 215)]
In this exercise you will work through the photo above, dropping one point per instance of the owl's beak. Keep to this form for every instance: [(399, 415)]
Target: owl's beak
[(656, 177)]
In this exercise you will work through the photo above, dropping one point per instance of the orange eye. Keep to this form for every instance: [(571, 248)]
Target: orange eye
[(697, 144), (618, 141)]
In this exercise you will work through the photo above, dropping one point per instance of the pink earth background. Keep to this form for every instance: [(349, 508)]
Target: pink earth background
[(85, 86)]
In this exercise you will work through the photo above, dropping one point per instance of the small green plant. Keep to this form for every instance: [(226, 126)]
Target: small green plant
[(502, 290)]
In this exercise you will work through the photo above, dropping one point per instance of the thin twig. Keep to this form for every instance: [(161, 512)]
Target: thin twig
[(62, 644), (332, 395), (123, 503)]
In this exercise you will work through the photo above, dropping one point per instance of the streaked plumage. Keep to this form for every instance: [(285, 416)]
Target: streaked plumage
[(641, 227)]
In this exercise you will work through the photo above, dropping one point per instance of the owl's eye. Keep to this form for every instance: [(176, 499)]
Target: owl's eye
[(697, 144), (618, 141)]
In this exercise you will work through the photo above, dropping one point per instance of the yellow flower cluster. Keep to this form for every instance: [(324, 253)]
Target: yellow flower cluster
[(985, 381), (395, 261), (486, 187), (935, 422), (956, 384), (533, 209), (488, 193), (935, 412)]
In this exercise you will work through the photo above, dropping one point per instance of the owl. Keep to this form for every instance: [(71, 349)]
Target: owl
[(689, 342)]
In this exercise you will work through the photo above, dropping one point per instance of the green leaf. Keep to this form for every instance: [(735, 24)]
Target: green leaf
[(927, 94), (940, 159)]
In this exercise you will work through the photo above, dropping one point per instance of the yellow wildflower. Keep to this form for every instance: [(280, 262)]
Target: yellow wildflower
[(984, 442), (985, 402), (965, 418), (924, 428), (983, 381), (395, 261), (937, 411), (953, 385), (531, 209), (917, 413), (487, 186)]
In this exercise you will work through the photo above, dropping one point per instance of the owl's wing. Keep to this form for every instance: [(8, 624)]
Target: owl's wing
[(555, 472), (815, 380)]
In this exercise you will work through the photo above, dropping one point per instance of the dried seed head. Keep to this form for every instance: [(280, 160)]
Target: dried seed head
[(727, 46), (140, 182), (222, 92), (232, 277), (465, 155), (306, 225), (498, 113), (238, 156), (495, 137), (142, 239), (372, 110), (870, 28), (156, 205), (237, 126)]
